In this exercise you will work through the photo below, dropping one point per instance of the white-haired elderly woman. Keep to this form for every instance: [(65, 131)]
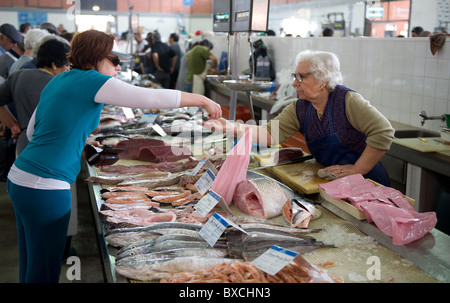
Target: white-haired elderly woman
[(342, 130)]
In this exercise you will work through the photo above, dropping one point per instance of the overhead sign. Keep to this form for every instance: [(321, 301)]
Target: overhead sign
[(188, 2), (35, 19)]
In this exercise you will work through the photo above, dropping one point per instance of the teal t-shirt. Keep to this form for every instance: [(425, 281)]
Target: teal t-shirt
[(65, 116)]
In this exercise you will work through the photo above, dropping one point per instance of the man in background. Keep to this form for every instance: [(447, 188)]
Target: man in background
[(175, 69)]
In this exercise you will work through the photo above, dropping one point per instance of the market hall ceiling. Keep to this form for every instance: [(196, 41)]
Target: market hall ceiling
[(148, 6)]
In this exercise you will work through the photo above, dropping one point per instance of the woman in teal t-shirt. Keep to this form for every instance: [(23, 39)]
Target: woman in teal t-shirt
[(68, 111)]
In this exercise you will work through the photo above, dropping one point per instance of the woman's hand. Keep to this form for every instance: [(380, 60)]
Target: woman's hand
[(214, 109), (343, 170)]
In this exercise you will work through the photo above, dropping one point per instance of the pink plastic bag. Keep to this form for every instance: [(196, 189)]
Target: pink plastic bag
[(234, 169), (404, 226)]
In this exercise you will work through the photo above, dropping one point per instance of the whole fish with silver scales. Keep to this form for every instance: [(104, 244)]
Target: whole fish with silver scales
[(121, 237)]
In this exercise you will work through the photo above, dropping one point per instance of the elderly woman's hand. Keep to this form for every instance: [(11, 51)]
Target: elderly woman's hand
[(218, 125), (343, 170)]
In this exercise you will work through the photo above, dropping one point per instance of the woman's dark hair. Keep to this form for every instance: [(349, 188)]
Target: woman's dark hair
[(88, 48), (52, 51)]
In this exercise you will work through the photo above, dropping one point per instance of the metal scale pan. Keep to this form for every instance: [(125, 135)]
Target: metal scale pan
[(248, 85)]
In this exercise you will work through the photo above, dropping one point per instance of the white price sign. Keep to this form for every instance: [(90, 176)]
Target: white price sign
[(213, 229), (159, 130), (205, 182), (148, 118), (274, 259), (208, 202)]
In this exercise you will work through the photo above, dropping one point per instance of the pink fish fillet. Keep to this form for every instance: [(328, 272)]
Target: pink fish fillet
[(234, 169)]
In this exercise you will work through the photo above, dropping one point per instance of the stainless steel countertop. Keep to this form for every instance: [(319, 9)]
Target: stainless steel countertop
[(430, 254)]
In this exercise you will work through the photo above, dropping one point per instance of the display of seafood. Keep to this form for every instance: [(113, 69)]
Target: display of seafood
[(164, 249), (298, 271), (141, 207), (151, 227)]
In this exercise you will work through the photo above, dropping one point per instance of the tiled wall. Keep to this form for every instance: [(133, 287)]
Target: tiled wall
[(399, 76)]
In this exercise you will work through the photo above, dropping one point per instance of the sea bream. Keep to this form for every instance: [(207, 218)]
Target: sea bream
[(261, 198)]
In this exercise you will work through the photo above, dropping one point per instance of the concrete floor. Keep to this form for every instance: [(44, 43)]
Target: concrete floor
[(84, 244)]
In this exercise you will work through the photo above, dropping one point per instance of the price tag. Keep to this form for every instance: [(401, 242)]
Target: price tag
[(274, 259), (159, 130), (148, 118), (208, 202), (204, 163), (213, 229), (205, 182), (128, 112)]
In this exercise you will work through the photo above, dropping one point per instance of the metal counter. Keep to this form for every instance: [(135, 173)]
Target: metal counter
[(96, 201), (430, 254)]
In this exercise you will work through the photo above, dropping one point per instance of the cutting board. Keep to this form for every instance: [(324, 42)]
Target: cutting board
[(301, 176), (431, 145)]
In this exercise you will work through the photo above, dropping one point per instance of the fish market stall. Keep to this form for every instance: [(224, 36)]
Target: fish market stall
[(330, 243), (353, 248)]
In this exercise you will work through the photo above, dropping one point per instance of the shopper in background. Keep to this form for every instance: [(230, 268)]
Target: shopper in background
[(24, 87), (31, 64), (33, 37), (197, 67), (327, 32), (24, 28), (342, 130), (8, 59), (416, 31), (146, 61), (140, 42), (50, 27), (174, 69), (9, 37), (163, 58), (68, 111)]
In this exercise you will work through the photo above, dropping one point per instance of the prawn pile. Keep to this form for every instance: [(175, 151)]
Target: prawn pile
[(246, 272)]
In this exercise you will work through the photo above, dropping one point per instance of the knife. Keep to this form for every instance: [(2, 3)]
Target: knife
[(291, 161)]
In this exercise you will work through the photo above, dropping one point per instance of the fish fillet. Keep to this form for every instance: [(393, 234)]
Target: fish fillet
[(234, 169), (261, 198)]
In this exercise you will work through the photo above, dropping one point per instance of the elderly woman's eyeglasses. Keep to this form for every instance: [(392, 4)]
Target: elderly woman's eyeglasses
[(114, 60), (299, 76)]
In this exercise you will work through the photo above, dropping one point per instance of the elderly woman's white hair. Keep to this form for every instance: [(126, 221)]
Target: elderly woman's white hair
[(34, 36), (324, 65), (46, 38)]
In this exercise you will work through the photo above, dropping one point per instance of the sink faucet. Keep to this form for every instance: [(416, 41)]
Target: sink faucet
[(424, 116)]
